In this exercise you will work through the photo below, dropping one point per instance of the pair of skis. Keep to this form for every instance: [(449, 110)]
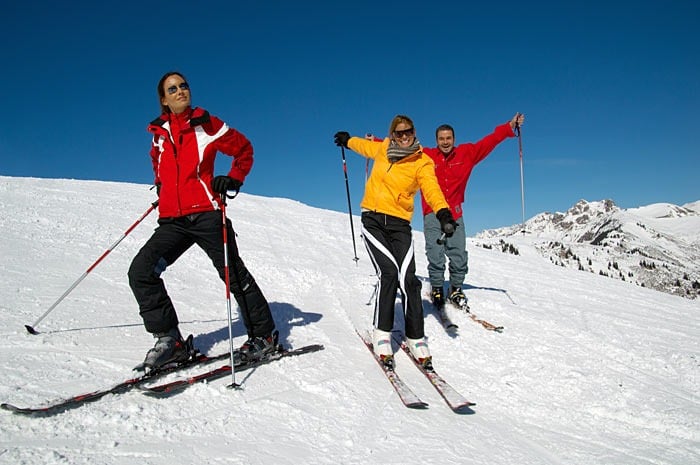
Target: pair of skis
[(167, 388), (172, 387), (454, 399)]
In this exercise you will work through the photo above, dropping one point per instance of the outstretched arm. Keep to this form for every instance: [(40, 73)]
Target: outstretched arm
[(486, 145)]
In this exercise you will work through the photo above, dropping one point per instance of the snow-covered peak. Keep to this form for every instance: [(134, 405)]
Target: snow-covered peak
[(664, 210), (657, 245)]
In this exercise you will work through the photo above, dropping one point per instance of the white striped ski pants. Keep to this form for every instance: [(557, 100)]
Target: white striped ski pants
[(389, 242)]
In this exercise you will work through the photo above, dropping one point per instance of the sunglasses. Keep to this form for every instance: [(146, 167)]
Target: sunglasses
[(183, 86), (405, 132)]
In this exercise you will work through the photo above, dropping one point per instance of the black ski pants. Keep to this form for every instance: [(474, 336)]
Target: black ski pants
[(390, 245), (170, 240)]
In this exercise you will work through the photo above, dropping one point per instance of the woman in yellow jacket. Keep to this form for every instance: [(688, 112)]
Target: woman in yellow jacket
[(400, 169)]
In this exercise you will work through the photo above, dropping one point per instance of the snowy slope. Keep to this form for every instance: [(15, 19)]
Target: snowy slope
[(589, 370)]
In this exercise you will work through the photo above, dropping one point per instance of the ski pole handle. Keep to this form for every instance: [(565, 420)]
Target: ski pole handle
[(441, 240), (516, 129)]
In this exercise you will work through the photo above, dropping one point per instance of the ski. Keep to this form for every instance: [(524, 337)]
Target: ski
[(172, 387), (450, 327), (465, 308), (445, 320), (486, 324), (62, 405), (405, 393), (454, 399)]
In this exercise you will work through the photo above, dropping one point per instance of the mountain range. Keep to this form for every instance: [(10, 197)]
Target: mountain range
[(655, 246)]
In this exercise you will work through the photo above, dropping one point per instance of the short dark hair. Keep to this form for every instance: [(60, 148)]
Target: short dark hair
[(161, 91), (444, 127)]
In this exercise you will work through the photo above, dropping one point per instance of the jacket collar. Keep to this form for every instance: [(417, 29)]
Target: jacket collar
[(196, 116)]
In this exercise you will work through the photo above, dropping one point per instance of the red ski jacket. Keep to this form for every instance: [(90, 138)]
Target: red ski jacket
[(453, 170), (183, 154)]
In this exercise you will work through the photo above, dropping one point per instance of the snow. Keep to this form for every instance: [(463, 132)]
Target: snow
[(589, 370)]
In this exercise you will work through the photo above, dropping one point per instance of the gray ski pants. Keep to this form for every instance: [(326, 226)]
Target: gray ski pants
[(454, 249)]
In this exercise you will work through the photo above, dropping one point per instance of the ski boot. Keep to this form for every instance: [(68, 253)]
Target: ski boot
[(420, 352), (170, 348), (437, 297), (258, 347), (381, 343), (458, 299)]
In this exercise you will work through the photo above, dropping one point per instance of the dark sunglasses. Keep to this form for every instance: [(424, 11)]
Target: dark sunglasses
[(405, 132), (183, 86)]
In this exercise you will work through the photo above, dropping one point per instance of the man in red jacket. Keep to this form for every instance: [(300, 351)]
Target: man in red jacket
[(453, 165), (185, 143)]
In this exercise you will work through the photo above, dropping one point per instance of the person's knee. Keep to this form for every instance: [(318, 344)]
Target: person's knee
[(412, 284), (390, 276), (135, 269), (143, 269)]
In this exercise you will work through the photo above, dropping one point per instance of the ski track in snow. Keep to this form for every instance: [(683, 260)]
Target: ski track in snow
[(588, 370)]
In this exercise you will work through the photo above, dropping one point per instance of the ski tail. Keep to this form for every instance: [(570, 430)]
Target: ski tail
[(61, 405), (456, 401)]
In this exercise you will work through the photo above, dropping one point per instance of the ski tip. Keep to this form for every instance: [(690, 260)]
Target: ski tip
[(417, 405), (31, 330), (465, 409), (36, 412)]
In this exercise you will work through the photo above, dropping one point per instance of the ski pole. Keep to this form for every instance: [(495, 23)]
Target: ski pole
[(347, 190), (228, 287), (75, 284), (522, 183)]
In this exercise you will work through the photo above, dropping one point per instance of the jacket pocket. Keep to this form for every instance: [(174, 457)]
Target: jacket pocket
[(405, 202)]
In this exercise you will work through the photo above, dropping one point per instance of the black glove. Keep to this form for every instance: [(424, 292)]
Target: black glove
[(223, 184), (447, 222), (158, 189), (341, 139)]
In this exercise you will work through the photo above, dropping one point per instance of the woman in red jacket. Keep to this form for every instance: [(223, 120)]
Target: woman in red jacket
[(185, 143)]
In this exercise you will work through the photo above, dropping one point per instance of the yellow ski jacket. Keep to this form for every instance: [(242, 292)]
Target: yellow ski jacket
[(391, 187)]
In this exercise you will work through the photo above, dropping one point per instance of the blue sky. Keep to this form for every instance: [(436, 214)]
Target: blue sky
[(610, 90)]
